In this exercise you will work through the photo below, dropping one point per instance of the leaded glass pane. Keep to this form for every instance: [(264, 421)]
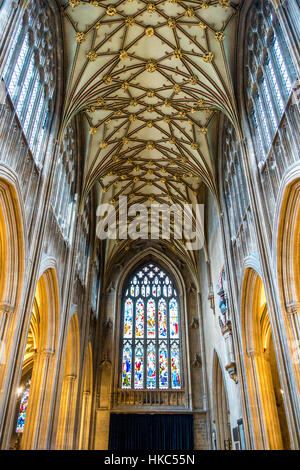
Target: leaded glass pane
[(23, 408), (175, 366), (173, 309), (151, 318), (139, 366), (128, 318), (163, 366), (139, 319), (126, 365), (151, 365), (162, 318)]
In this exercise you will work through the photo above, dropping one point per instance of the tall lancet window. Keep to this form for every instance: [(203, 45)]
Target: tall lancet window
[(151, 333)]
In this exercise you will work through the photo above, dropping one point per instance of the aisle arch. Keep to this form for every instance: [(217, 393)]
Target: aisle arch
[(267, 409)]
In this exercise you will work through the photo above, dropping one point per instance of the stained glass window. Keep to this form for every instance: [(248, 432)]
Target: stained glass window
[(151, 352), (23, 408)]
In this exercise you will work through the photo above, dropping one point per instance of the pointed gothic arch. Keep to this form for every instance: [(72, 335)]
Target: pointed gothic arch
[(13, 252), (38, 368), (286, 249), (267, 409), (181, 283)]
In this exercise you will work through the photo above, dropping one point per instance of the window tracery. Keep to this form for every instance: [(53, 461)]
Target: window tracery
[(151, 335)]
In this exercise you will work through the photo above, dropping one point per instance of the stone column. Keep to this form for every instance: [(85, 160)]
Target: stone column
[(293, 313), (38, 412), (69, 410), (84, 424), (266, 427)]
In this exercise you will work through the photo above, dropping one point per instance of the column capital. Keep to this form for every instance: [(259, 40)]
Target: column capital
[(6, 308), (293, 307), (253, 353), (70, 378), (47, 352)]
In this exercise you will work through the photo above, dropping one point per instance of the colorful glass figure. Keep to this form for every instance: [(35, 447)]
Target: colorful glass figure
[(126, 366), (162, 318), (175, 366), (128, 318), (23, 408), (163, 366), (173, 310), (151, 366), (139, 367), (151, 318), (139, 318)]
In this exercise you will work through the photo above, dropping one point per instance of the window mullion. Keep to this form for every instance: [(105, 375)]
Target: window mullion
[(133, 346), (156, 335), (145, 340)]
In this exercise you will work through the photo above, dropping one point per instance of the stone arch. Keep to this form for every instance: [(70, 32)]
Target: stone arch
[(13, 245), (67, 411), (166, 263), (268, 427), (286, 253), (39, 361), (220, 405), (13, 253), (109, 395)]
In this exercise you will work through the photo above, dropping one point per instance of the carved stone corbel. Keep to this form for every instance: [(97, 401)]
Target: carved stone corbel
[(211, 298), (107, 324), (191, 288), (105, 363), (197, 362), (110, 287), (231, 369), (180, 263), (194, 323)]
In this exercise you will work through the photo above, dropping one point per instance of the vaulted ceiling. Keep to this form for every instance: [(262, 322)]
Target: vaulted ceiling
[(149, 79)]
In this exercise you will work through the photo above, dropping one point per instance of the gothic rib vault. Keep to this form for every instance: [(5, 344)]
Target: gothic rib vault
[(150, 79)]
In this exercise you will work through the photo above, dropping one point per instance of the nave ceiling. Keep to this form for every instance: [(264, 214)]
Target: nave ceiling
[(149, 79)]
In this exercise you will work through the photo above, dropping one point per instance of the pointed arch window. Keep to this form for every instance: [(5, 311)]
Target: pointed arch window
[(151, 355)]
